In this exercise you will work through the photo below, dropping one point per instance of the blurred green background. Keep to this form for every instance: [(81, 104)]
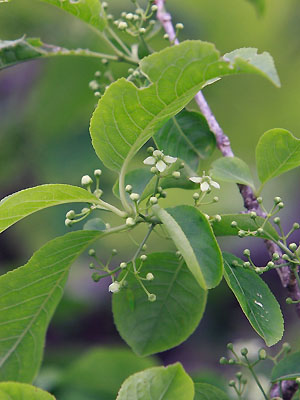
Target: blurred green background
[(45, 107)]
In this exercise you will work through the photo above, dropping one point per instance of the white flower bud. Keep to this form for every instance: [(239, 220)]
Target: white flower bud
[(218, 218), (129, 16), (151, 297), (68, 222), (86, 180), (97, 172), (70, 214), (154, 8), (114, 287), (128, 188), (130, 221), (134, 196), (85, 210), (123, 265), (94, 85), (122, 25), (176, 174), (166, 36), (157, 153), (179, 26), (104, 4), (153, 170), (143, 257), (149, 276), (142, 31), (107, 226), (153, 200)]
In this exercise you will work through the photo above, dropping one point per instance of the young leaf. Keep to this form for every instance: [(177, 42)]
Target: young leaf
[(244, 222), (19, 205), (101, 371), (277, 151), (287, 369), (149, 327), (126, 117), (29, 296), (89, 11), (232, 169), (143, 181), (204, 391), (16, 51), (256, 300), (163, 383), (22, 391), (194, 238), (187, 136)]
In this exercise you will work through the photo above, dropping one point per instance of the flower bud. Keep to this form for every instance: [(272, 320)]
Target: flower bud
[(123, 265), (262, 354), (196, 196), (259, 200), (277, 200), (246, 252), (218, 218), (70, 214), (134, 196), (246, 264), (97, 172), (176, 174), (231, 383), (129, 16), (285, 257), (114, 287), (179, 26), (231, 361), (241, 233), (166, 36), (296, 226), (215, 199), (233, 224), (68, 222), (122, 25), (253, 215), (86, 180), (92, 252), (130, 221), (244, 351), (149, 276), (142, 31), (275, 256), (152, 297), (143, 257), (277, 220), (286, 347), (128, 188), (153, 170), (154, 8), (223, 361), (288, 300), (260, 231), (280, 205), (270, 264), (150, 150), (153, 200), (293, 246), (96, 277)]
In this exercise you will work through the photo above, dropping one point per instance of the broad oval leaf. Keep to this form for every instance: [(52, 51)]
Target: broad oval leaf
[(143, 182), (126, 116), (287, 369), (22, 391), (256, 300), (149, 327), (25, 49), (277, 151), (232, 169), (19, 205), (163, 383), (204, 391), (101, 371), (193, 236), (244, 222), (29, 296), (187, 136), (89, 11)]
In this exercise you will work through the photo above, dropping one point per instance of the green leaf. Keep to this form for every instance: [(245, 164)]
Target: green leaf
[(149, 327), (143, 181), (16, 51), (287, 369), (126, 116), (163, 383), (246, 60), (244, 222), (19, 205), (194, 238), (29, 296), (232, 169), (94, 224), (89, 11), (101, 371), (277, 151), (256, 300), (260, 6), (187, 136), (204, 391), (22, 391)]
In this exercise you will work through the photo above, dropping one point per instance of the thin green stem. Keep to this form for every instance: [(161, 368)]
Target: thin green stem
[(110, 207), (143, 242), (120, 41), (250, 367)]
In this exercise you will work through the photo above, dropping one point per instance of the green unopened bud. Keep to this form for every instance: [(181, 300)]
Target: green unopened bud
[(270, 264), (235, 263), (246, 264), (297, 380), (285, 257), (296, 226), (239, 375), (231, 383), (280, 205), (153, 200), (218, 218), (196, 196), (98, 193), (122, 25), (142, 31), (134, 196), (246, 252), (233, 224), (86, 180), (293, 246), (166, 36), (68, 222), (259, 200), (153, 170), (287, 347), (92, 265), (241, 233), (149, 276), (215, 199), (258, 270), (143, 257), (277, 199), (123, 265), (107, 226), (223, 361), (231, 361), (150, 150), (176, 174), (179, 26), (85, 210), (128, 188), (154, 8), (253, 215), (70, 214), (260, 231), (144, 247), (181, 166), (114, 252), (276, 220), (262, 354), (96, 277), (229, 346), (288, 300), (151, 297), (92, 252), (130, 221), (275, 256), (244, 351), (97, 172)]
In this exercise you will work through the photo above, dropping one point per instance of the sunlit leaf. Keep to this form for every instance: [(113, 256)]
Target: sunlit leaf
[(22, 391), (29, 296), (256, 300), (19, 205), (187, 136), (277, 151), (126, 116), (204, 391), (89, 11), (168, 321), (232, 169), (287, 369), (194, 238), (163, 383)]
